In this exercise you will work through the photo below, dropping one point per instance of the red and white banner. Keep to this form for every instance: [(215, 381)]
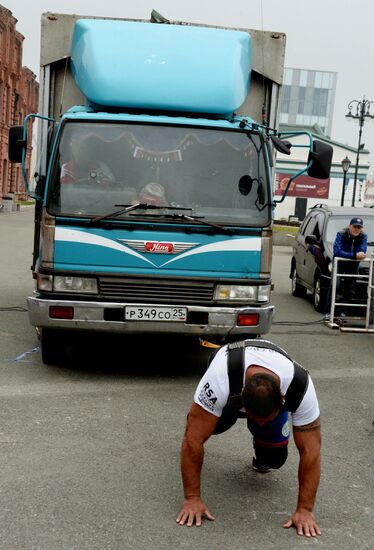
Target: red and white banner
[(303, 186)]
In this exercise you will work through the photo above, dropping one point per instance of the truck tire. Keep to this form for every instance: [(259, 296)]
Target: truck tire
[(297, 290), (54, 346), (319, 294)]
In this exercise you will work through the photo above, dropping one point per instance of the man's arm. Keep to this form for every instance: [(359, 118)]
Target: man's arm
[(362, 248), (339, 251), (200, 426), (308, 442)]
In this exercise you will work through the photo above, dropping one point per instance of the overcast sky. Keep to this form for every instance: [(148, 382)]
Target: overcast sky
[(327, 35)]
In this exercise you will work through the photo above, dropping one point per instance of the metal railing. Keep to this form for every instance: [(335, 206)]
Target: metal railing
[(366, 320)]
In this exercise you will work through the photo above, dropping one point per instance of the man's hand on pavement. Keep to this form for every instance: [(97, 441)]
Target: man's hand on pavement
[(193, 510), (304, 522)]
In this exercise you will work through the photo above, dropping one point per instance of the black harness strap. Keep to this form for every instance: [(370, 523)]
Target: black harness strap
[(236, 373), (297, 388), (236, 366)]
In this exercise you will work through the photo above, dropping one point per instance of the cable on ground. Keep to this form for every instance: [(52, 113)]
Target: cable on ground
[(13, 308)]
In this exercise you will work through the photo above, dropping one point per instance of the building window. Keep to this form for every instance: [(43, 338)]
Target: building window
[(7, 105), (17, 184), (12, 182), (318, 79), (303, 78), (285, 104), (4, 178), (320, 100), (301, 105), (15, 106), (287, 81)]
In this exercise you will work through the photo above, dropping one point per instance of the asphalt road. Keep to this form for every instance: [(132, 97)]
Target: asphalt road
[(90, 454)]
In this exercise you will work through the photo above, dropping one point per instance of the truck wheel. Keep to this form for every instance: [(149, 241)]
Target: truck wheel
[(297, 290), (319, 294), (54, 346)]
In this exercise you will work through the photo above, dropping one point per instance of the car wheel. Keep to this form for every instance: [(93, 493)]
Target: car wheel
[(319, 294), (297, 289)]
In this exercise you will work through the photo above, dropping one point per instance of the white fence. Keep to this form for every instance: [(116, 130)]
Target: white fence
[(353, 323)]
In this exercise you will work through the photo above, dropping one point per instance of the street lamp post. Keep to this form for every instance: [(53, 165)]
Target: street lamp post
[(345, 165), (362, 112)]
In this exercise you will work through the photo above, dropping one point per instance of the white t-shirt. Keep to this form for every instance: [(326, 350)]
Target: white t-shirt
[(213, 389)]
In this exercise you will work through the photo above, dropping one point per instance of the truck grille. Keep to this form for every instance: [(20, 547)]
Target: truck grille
[(160, 291)]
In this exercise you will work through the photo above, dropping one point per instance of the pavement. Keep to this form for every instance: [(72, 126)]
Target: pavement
[(90, 453)]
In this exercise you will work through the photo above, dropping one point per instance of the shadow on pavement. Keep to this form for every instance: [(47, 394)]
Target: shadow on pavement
[(135, 356)]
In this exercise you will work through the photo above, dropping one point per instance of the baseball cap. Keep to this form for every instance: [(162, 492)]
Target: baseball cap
[(357, 221)]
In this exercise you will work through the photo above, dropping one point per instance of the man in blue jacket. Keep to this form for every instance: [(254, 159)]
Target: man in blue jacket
[(350, 243)]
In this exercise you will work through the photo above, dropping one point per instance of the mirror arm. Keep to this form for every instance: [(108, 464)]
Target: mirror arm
[(275, 202), (304, 170)]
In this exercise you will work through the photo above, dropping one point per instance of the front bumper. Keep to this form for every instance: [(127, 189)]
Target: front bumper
[(93, 316)]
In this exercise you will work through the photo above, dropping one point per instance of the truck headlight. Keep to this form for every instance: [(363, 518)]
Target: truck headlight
[(81, 285), (241, 293)]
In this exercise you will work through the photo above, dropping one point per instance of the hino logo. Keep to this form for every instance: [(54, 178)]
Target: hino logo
[(159, 248)]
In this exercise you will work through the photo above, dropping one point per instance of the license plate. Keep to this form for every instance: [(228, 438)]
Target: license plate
[(155, 313)]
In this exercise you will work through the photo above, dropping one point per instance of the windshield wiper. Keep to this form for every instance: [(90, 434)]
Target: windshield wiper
[(145, 206), (198, 219), (136, 206)]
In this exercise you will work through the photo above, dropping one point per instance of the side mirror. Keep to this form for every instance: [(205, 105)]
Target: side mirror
[(16, 144), (311, 239), (321, 157)]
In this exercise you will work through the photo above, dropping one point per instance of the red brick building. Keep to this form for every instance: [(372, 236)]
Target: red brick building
[(18, 97)]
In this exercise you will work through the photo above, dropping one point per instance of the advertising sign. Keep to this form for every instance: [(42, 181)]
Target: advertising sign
[(303, 186), (369, 191)]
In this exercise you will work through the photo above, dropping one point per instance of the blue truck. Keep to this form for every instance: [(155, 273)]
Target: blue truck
[(154, 180)]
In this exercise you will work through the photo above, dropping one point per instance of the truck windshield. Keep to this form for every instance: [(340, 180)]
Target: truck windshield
[(217, 174)]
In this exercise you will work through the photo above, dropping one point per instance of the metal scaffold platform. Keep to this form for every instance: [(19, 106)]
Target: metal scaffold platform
[(353, 323)]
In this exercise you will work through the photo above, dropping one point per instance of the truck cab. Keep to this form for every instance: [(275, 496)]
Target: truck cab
[(155, 195)]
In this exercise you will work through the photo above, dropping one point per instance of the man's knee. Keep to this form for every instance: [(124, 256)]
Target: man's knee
[(272, 457)]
